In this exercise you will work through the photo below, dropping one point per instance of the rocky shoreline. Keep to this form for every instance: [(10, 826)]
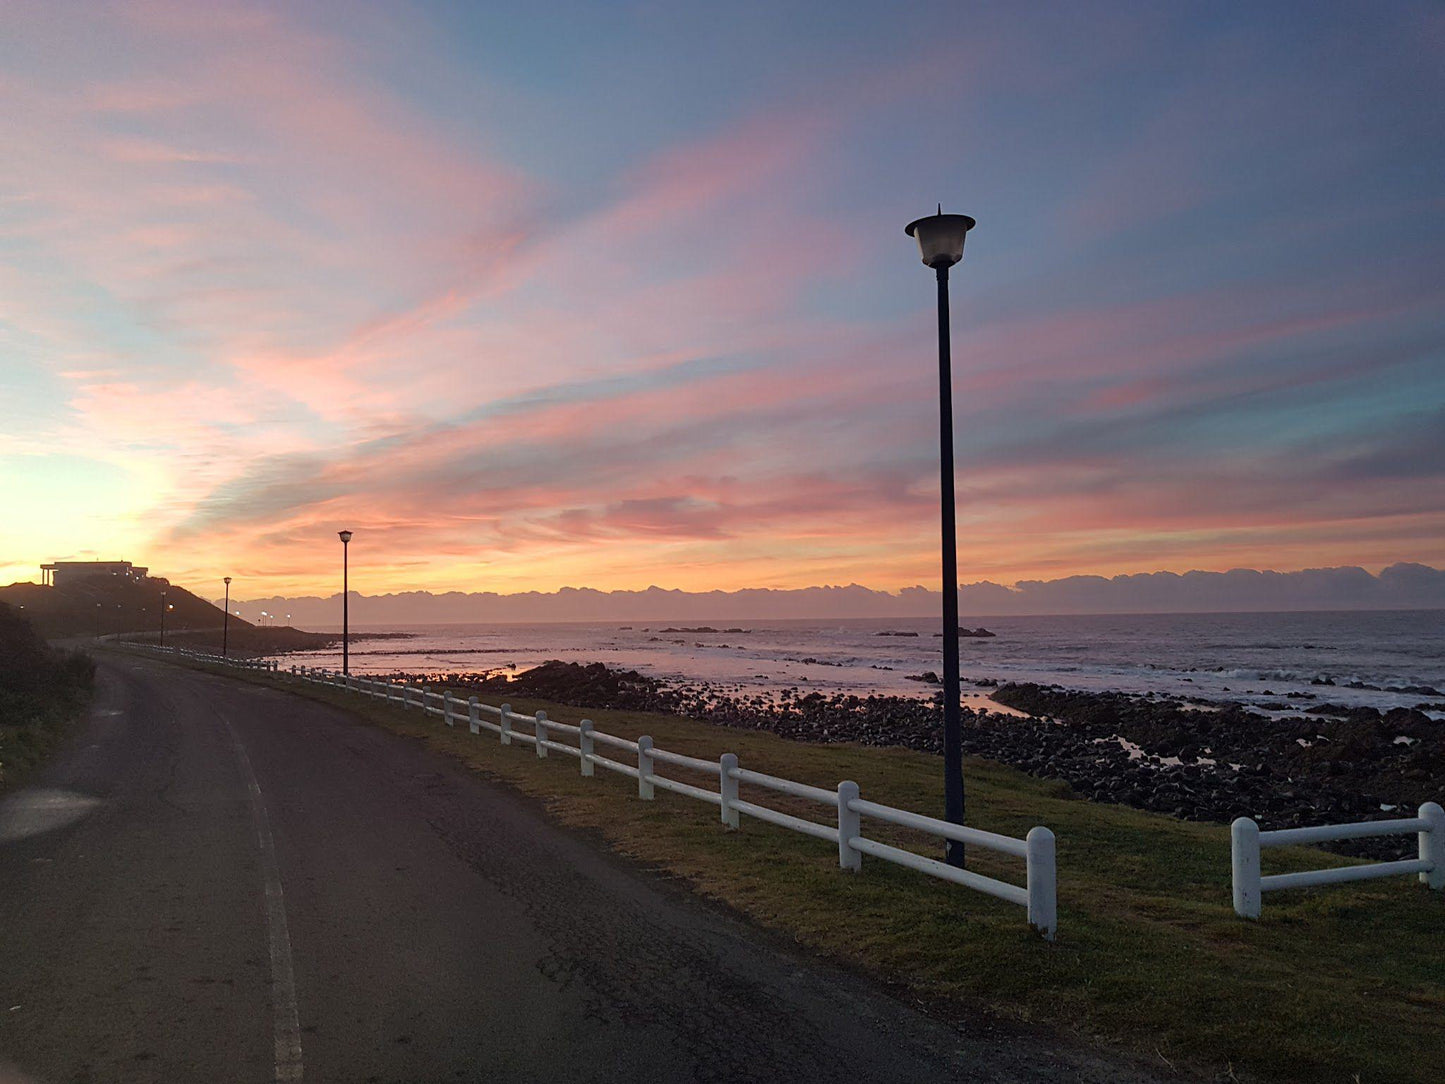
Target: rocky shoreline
[(1205, 762)]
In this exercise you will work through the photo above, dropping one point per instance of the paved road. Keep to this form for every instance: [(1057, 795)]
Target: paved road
[(220, 882)]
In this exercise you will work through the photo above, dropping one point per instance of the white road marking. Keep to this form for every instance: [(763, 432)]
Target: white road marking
[(286, 1025)]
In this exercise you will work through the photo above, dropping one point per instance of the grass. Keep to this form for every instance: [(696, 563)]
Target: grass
[(1345, 983), (42, 692), (32, 726)]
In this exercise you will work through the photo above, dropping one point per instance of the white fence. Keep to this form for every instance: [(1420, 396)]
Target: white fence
[(1247, 840), (640, 760), (203, 656)]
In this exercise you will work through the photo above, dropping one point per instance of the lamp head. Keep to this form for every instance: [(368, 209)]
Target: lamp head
[(227, 579), (345, 536), (940, 237)]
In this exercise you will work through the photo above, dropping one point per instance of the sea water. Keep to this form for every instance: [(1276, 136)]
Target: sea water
[(1255, 658)]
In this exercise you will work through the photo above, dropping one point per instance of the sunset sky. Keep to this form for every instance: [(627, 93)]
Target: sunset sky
[(615, 294)]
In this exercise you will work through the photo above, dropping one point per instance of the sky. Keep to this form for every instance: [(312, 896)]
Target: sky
[(612, 295)]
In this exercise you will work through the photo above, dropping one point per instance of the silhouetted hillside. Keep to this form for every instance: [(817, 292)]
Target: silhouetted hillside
[(1401, 586), (101, 605), (248, 639)]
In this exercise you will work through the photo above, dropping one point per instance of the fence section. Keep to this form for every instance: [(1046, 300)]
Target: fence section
[(717, 783), (1247, 841)]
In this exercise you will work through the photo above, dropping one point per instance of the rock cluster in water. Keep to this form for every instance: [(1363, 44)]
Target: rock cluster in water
[(1199, 763)]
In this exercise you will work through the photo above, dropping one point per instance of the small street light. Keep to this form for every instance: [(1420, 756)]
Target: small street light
[(940, 240), (164, 607), (345, 537), (226, 620)]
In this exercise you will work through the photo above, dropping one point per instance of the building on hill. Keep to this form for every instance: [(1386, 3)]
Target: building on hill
[(55, 572)]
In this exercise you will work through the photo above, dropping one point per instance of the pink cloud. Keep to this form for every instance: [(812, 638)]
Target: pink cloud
[(305, 303)]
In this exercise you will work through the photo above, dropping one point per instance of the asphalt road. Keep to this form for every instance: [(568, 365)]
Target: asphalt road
[(221, 882)]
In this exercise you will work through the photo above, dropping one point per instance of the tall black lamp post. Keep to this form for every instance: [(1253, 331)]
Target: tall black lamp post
[(226, 620), (163, 619), (940, 240), (345, 537)]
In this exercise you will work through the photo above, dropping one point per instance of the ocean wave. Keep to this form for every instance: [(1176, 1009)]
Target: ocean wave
[(1257, 674)]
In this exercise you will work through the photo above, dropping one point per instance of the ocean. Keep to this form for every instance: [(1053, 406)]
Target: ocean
[(1257, 659)]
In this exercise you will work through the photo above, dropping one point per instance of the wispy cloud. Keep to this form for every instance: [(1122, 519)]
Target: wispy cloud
[(281, 274)]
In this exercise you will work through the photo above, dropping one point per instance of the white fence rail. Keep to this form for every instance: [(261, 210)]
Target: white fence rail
[(1247, 841), (202, 656), (718, 784)]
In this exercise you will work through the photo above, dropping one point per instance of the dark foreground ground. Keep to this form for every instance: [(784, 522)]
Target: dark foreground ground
[(217, 881)]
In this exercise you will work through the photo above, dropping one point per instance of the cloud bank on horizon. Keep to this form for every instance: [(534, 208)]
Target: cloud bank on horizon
[(633, 303), (1398, 587)]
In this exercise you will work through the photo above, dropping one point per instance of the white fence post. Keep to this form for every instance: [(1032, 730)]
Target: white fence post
[(1244, 857), (541, 732), (850, 826), (474, 715), (425, 698), (1042, 881), (644, 768), (728, 789), (447, 707), (506, 724), (584, 743), (1432, 844)]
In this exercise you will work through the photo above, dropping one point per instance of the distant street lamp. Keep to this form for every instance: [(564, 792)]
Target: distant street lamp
[(163, 619), (345, 537), (940, 240), (226, 620)]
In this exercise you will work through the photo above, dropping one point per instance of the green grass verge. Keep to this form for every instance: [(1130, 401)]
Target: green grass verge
[(31, 726), (43, 691), (1345, 983)]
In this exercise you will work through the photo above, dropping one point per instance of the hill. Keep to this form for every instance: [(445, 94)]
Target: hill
[(103, 605), (1241, 590)]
